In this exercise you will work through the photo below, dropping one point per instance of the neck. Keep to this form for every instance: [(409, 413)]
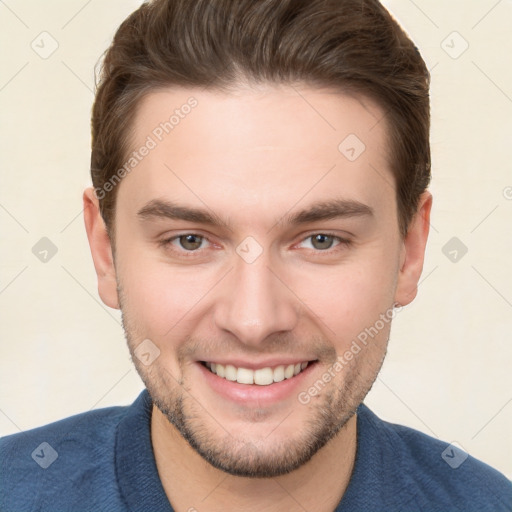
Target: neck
[(191, 483)]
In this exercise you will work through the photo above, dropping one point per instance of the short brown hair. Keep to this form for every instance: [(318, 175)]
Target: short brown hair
[(353, 46)]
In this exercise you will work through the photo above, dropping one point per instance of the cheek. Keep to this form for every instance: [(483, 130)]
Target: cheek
[(341, 299), (350, 297), (159, 300), (162, 299)]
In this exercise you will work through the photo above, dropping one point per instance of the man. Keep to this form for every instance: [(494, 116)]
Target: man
[(259, 213)]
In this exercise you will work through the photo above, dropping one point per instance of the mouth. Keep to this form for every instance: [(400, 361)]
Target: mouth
[(259, 376)]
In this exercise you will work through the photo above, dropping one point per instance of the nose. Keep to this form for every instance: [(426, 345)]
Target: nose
[(254, 302)]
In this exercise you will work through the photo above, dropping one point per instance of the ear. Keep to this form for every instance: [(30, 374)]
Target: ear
[(413, 252), (101, 249)]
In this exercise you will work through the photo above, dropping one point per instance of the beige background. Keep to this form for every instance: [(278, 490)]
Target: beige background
[(448, 367)]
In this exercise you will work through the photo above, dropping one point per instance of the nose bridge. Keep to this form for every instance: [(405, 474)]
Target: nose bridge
[(254, 303)]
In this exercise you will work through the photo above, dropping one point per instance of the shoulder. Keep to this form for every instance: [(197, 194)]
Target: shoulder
[(56, 463), (439, 475)]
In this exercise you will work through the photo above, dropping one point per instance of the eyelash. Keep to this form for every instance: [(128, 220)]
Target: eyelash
[(343, 243)]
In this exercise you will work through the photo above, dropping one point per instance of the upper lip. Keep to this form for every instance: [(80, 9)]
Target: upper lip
[(255, 365)]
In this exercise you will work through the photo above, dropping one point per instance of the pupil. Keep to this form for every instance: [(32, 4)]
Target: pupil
[(187, 242), (325, 241)]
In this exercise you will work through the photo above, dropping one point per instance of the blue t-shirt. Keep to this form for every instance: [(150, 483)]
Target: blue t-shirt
[(103, 460)]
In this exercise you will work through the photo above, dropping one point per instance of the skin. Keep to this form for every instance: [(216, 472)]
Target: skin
[(253, 157)]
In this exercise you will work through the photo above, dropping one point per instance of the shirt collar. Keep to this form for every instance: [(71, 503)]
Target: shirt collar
[(380, 479), (136, 471), (379, 475)]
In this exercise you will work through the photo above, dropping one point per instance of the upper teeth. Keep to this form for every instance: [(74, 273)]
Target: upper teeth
[(262, 376)]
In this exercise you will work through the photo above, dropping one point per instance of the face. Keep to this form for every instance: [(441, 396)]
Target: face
[(255, 245)]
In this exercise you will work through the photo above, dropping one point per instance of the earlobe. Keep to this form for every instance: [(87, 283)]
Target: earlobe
[(413, 252), (101, 249)]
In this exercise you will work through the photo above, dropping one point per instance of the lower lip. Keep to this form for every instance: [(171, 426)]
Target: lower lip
[(253, 394)]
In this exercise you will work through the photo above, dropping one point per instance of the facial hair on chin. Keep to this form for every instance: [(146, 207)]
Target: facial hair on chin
[(239, 456)]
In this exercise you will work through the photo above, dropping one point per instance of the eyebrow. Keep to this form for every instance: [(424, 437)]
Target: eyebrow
[(324, 210)]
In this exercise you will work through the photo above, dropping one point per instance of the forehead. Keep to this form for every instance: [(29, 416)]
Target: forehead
[(266, 147), (267, 117)]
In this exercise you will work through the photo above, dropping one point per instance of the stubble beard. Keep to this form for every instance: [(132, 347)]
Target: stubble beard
[(237, 455)]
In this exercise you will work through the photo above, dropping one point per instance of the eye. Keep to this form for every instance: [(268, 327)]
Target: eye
[(188, 242), (191, 244), (322, 242)]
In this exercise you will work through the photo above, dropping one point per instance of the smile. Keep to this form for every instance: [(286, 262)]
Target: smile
[(260, 376)]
